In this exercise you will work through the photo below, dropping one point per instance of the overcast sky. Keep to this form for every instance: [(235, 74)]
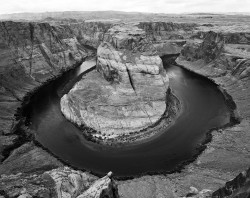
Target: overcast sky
[(162, 6)]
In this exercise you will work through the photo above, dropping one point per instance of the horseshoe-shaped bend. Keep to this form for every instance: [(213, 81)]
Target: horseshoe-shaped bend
[(131, 113)]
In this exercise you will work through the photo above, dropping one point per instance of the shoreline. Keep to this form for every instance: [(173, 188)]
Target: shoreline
[(232, 106)]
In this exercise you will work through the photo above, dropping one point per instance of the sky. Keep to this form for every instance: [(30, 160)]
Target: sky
[(155, 6)]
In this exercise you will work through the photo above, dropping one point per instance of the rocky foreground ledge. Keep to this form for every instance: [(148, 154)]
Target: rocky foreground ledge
[(61, 182), (129, 98)]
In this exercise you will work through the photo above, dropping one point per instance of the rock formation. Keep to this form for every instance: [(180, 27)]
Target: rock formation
[(129, 92), (61, 182)]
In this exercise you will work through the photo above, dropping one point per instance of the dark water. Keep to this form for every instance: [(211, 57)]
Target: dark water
[(204, 108)]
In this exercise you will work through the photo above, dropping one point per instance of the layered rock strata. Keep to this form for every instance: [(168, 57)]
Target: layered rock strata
[(128, 93)]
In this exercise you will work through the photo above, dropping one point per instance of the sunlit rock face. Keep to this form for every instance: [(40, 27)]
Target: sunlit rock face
[(127, 93)]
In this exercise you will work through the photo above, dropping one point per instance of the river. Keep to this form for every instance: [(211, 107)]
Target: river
[(204, 108)]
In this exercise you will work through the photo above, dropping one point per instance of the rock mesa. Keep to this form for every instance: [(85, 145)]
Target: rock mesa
[(127, 93)]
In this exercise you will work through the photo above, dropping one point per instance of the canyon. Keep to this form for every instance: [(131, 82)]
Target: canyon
[(35, 53)]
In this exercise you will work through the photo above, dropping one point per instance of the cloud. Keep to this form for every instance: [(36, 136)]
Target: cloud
[(163, 6)]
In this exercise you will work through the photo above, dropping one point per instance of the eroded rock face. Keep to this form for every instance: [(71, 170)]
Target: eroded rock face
[(128, 94)]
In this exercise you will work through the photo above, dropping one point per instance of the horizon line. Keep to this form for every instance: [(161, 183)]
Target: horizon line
[(205, 12)]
